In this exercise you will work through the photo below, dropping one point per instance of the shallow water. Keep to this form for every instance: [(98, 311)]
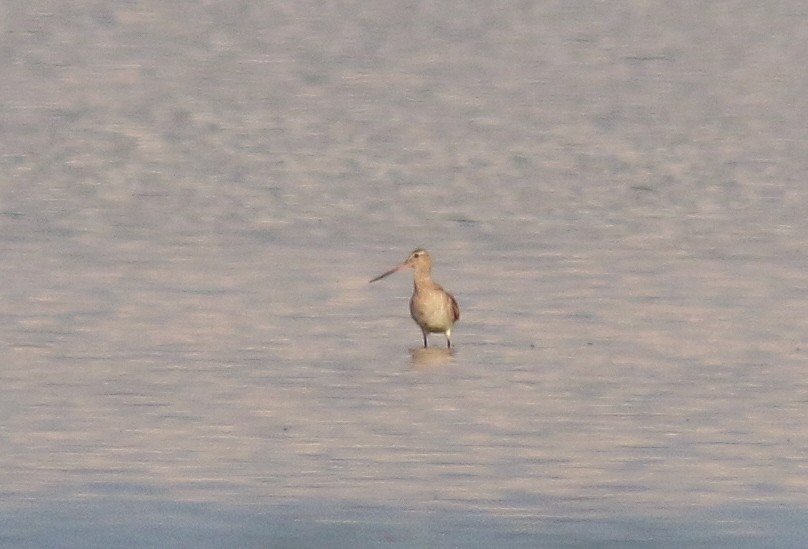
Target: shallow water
[(191, 211)]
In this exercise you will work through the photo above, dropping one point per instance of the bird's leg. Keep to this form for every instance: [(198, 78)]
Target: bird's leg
[(449, 339), (425, 342)]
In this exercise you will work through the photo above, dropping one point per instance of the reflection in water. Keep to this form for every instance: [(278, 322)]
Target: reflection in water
[(425, 357)]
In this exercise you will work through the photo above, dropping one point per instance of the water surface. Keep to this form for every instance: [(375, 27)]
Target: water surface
[(191, 210)]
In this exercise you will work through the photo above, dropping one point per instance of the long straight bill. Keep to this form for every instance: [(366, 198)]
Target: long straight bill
[(388, 273)]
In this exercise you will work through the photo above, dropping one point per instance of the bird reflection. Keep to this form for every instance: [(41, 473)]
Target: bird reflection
[(427, 357)]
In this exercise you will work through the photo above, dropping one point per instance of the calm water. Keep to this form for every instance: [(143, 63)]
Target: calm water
[(191, 208)]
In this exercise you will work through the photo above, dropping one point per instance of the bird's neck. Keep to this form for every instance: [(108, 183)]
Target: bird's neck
[(422, 278)]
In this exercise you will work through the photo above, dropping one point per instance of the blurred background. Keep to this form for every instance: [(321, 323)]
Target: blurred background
[(194, 196)]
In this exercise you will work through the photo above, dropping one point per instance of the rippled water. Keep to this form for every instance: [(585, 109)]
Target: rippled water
[(191, 210)]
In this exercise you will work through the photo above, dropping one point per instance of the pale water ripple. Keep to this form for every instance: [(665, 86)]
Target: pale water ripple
[(191, 208)]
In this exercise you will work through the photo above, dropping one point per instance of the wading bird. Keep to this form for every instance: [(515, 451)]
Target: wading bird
[(434, 309)]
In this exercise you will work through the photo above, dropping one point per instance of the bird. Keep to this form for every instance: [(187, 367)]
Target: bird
[(434, 309)]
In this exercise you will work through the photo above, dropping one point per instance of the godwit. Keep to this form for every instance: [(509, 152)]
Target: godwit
[(431, 307)]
